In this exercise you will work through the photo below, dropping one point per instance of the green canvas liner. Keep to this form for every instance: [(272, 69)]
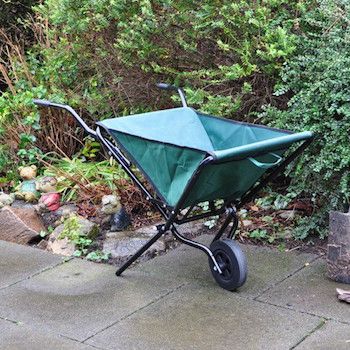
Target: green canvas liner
[(169, 145)]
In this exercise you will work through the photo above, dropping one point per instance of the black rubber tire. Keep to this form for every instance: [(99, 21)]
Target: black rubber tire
[(232, 261)]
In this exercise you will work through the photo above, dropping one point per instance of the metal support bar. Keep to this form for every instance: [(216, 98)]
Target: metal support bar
[(231, 216), (197, 245), (170, 224), (140, 252), (200, 216)]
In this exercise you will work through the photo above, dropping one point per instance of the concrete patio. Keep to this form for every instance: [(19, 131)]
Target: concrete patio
[(170, 302)]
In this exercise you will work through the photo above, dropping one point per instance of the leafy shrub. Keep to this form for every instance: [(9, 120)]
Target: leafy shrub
[(225, 51), (105, 57), (319, 78)]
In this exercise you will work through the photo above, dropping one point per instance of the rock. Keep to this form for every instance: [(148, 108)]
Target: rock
[(55, 218), (60, 246), (120, 220), (49, 202), (22, 204), (287, 214), (42, 244), (66, 210), (20, 225), (110, 204), (87, 228), (46, 184), (64, 246), (246, 223), (122, 245), (338, 248), (343, 295), (6, 199), (126, 243)]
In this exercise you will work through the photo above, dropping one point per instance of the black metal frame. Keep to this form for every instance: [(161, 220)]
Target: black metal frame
[(172, 215)]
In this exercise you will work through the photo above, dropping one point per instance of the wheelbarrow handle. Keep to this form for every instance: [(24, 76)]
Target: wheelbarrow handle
[(165, 86), (49, 104)]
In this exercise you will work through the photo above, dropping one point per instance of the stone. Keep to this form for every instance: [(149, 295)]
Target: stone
[(42, 244), (338, 248), (22, 204), (329, 335), (19, 262), (21, 337), (343, 295), (46, 184), (60, 246), (120, 220), (309, 291), (20, 225), (66, 210), (110, 204), (123, 244), (49, 202), (246, 223), (64, 246), (287, 214), (6, 199), (55, 218)]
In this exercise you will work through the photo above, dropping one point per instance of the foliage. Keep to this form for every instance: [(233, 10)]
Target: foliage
[(98, 256), (71, 230), (223, 51), (102, 56), (80, 179), (83, 244), (319, 78)]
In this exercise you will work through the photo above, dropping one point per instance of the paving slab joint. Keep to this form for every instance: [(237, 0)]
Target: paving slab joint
[(47, 268), (135, 311), (9, 320), (319, 326), (285, 278), (78, 341)]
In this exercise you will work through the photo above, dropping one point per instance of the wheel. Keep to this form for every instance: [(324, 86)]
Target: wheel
[(232, 262)]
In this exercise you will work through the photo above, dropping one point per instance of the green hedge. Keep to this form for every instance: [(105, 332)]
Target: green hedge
[(319, 79), (105, 57)]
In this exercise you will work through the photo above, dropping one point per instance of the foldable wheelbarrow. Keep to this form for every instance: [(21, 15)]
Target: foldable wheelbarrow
[(190, 157)]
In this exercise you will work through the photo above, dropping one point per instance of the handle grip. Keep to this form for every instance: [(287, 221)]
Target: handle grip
[(49, 104), (266, 165), (169, 87), (165, 86)]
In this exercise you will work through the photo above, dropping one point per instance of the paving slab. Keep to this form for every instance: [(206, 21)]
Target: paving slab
[(18, 262), (194, 317), (331, 335), (79, 298), (311, 291), (266, 266), (19, 337)]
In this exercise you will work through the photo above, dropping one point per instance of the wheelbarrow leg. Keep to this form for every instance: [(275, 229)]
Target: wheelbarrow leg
[(140, 251), (232, 216)]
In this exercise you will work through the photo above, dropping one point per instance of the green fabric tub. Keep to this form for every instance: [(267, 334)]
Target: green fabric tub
[(169, 145)]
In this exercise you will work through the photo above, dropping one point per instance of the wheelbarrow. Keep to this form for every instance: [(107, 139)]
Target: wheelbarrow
[(190, 157)]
